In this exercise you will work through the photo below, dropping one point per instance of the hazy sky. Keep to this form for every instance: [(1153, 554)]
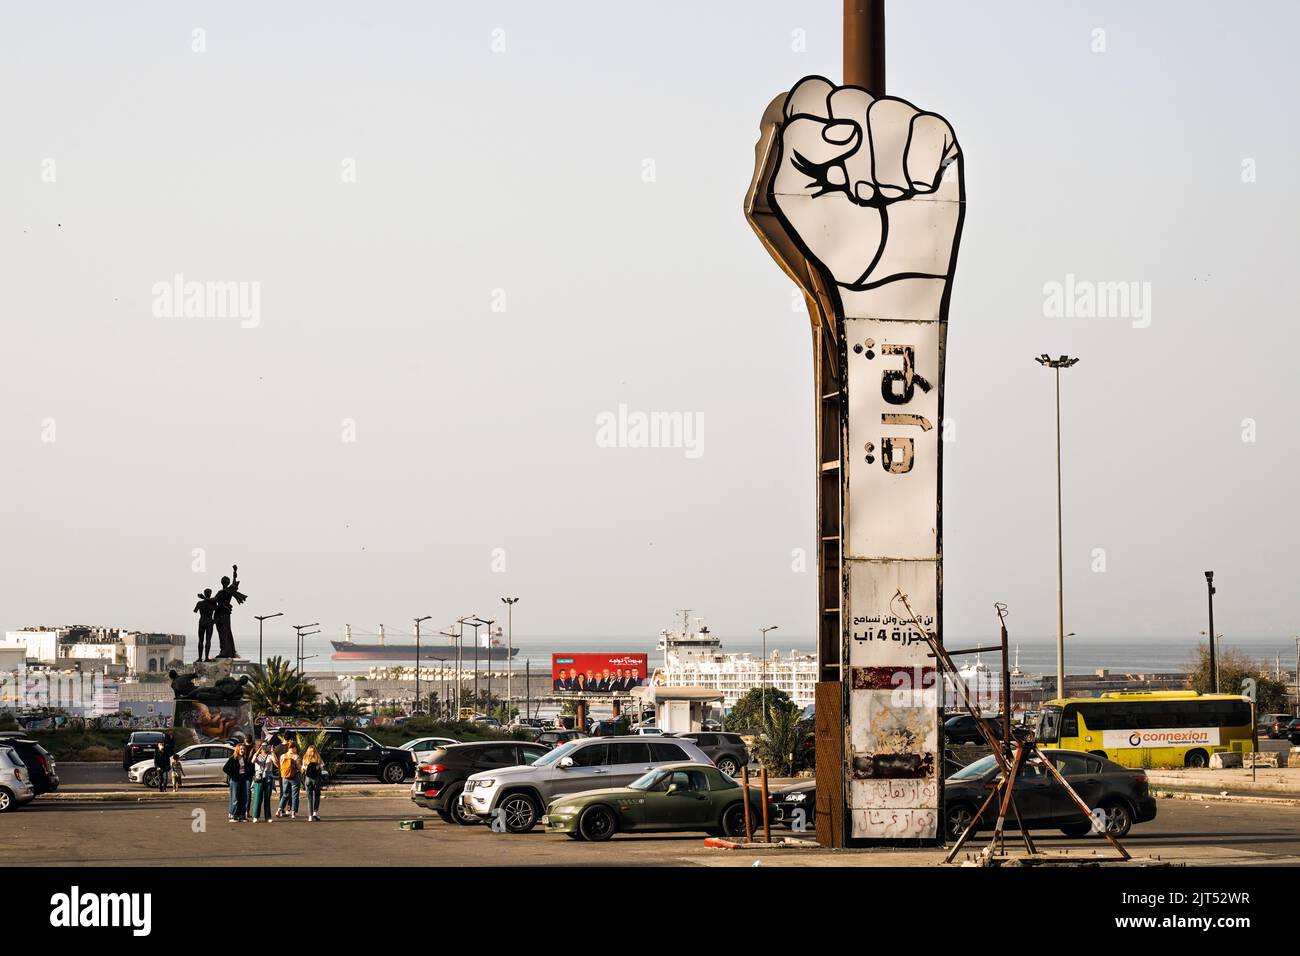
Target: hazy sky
[(501, 272)]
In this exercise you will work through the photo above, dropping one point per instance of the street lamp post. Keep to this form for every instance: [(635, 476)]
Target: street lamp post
[(418, 620), (763, 679), (260, 619), (299, 629), (510, 603), (1214, 670), (1057, 364), (477, 623), (460, 654), (442, 670)]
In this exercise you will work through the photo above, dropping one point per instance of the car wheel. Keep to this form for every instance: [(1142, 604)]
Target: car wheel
[(1196, 758), (1118, 818), (597, 823), (7, 802), (1077, 829), (575, 835), (393, 772), (520, 812), (445, 816), (150, 779), (460, 813), (956, 819), (733, 820), (728, 765)]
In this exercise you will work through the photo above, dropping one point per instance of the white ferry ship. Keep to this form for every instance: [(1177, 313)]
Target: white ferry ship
[(984, 685), (693, 657)]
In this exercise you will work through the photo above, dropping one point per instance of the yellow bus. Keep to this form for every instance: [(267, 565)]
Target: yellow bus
[(1156, 729)]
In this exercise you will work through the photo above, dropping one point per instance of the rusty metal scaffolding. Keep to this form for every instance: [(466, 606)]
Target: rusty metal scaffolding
[(1011, 752)]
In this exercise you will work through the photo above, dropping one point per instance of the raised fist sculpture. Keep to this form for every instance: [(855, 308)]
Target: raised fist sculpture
[(868, 189)]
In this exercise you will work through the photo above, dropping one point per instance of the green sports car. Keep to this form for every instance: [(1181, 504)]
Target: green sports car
[(674, 796)]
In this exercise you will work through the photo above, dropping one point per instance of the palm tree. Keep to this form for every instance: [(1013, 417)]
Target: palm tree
[(277, 690), (775, 748)]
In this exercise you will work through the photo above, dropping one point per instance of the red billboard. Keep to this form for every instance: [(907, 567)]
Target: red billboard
[(598, 673)]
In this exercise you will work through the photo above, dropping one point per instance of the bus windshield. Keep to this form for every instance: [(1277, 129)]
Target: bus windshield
[(1049, 725)]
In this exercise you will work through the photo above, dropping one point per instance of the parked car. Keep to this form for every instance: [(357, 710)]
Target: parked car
[(727, 751), (521, 794), (674, 797), (440, 778), (421, 747), (1293, 731), (644, 731), (1273, 726), (16, 788), (1123, 794), (797, 802), (485, 721), (554, 738), (201, 764), (42, 771), (963, 729), (355, 754), (140, 744)]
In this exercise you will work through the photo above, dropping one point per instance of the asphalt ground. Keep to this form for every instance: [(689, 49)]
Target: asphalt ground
[(360, 828)]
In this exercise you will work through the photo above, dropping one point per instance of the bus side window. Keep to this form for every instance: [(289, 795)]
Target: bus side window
[(1070, 723)]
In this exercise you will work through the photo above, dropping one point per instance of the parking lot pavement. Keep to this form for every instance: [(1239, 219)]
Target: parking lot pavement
[(363, 831)]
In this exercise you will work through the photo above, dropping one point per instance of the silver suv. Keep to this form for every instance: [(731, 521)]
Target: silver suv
[(15, 781), (521, 794)]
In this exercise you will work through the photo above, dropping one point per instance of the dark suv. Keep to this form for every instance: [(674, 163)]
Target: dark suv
[(440, 779), (355, 754), (141, 745), (962, 729), (39, 762), (727, 751)]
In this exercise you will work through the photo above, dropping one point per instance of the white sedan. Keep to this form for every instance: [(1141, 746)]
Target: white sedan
[(201, 763), (423, 746)]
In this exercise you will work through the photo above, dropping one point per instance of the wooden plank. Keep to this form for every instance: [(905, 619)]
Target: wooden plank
[(829, 728)]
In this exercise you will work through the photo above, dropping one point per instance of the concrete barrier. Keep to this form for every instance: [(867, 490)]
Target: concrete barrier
[(1225, 760), (1266, 758)]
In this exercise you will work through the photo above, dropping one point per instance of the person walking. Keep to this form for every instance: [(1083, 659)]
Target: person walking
[(178, 773), (312, 772), (246, 777), (264, 768), (161, 764), (290, 765), (235, 769)]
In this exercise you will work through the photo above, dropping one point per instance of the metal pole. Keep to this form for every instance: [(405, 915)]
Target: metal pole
[(1214, 667), (767, 826), (763, 678), (744, 785), (864, 44), (1060, 599), (510, 647)]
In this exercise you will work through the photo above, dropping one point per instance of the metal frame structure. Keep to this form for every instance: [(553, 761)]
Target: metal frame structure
[(1009, 760)]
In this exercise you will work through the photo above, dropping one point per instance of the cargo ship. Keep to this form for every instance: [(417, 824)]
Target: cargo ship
[(433, 648)]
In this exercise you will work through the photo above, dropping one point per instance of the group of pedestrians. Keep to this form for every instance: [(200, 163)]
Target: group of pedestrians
[(253, 771)]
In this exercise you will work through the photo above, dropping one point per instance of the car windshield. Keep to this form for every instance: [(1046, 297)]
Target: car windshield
[(976, 770), (558, 753), (651, 780)]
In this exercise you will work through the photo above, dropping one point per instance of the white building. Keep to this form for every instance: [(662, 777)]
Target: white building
[(95, 647), (41, 644)]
